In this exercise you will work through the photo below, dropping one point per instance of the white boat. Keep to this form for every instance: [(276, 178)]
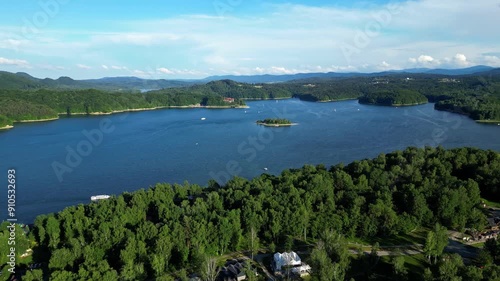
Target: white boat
[(265, 169), (99, 197), (203, 118)]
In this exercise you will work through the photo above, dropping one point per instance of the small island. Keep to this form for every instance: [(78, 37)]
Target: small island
[(275, 122)]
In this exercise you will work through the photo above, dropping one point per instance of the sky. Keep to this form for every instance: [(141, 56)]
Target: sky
[(194, 39)]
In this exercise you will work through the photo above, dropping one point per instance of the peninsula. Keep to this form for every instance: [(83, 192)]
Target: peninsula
[(394, 98)]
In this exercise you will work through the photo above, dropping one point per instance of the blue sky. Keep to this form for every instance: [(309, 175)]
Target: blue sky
[(194, 39)]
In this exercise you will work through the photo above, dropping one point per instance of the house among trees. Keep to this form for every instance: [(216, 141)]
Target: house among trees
[(233, 270), (289, 261), (229, 100)]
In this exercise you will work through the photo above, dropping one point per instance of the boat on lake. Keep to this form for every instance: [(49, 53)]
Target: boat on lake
[(99, 197)]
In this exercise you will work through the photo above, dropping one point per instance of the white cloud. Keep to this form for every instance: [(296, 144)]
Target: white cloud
[(51, 67), (83, 66), (425, 61), (259, 70), (492, 61), (11, 44), (460, 60), (16, 62), (281, 70), (134, 38), (336, 68), (105, 66), (165, 70), (116, 67), (139, 72), (385, 66)]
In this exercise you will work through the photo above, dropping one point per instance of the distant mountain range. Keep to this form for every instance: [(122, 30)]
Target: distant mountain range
[(23, 80), (266, 78)]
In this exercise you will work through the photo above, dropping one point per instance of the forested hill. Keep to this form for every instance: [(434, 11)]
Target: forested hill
[(398, 98), (165, 231), (24, 81), (41, 104)]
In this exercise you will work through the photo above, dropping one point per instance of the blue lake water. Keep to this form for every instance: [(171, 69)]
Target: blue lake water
[(142, 148)]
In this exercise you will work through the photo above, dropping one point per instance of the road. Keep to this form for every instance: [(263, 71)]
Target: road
[(455, 247)]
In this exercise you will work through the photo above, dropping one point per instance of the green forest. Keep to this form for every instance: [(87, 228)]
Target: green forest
[(18, 105), (397, 98), (475, 96), (170, 230)]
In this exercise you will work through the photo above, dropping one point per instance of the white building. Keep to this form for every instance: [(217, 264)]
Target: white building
[(302, 270), (286, 259)]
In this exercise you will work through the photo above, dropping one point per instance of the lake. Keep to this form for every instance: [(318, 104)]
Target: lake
[(64, 162)]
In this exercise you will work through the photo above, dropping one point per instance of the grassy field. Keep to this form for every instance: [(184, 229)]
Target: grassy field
[(415, 237), (478, 245), (415, 265), (362, 269)]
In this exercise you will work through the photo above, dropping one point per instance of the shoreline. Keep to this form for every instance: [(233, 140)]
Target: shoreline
[(413, 104), (488, 122), (346, 99), (394, 105), (37, 120), (7, 127), (257, 99), (29, 121), (125, 110), (155, 108)]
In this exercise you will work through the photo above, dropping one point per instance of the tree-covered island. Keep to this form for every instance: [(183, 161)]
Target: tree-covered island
[(275, 122)]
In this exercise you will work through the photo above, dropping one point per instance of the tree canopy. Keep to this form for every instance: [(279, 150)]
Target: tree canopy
[(155, 232)]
